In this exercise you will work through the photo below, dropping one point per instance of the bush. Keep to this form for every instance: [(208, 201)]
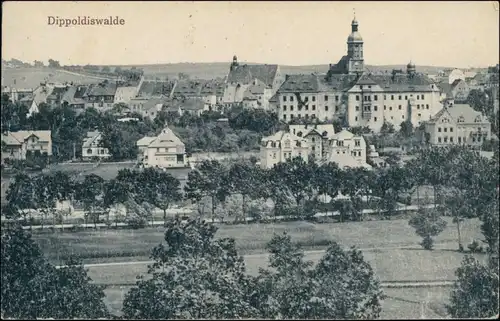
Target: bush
[(427, 243)]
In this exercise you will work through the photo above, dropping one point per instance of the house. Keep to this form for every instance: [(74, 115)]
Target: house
[(282, 146), (23, 144), (317, 136), (460, 90), (458, 124), (347, 150), (151, 107), (257, 95), (73, 97), (194, 106), (210, 92), (164, 151), (241, 77), (91, 147), (125, 91), (56, 95), (155, 88), (100, 96)]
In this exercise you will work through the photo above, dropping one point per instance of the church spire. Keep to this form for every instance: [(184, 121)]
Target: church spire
[(354, 24)]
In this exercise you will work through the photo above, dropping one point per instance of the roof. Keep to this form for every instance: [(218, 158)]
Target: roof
[(319, 129), (92, 136), (74, 95), (155, 88), (41, 93), (102, 89), (192, 104), (274, 98), (303, 84), (446, 89), (282, 136), (166, 139), (17, 138), (145, 141), (460, 110), (456, 82), (343, 134), (402, 82), (57, 92), (153, 103), (245, 74)]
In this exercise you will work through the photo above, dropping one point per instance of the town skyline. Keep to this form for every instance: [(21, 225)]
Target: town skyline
[(395, 41)]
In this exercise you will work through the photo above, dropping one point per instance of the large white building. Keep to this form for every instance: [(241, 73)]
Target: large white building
[(281, 146), (164, 150), (362, 98)]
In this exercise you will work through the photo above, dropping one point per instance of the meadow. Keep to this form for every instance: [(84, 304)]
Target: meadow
[(32, 77)]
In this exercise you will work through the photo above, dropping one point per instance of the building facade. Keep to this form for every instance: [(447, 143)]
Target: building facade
[(91, 147), (163, 151), (317, 136), (281, 146), (23, 144), (458, 124), (347, 150)]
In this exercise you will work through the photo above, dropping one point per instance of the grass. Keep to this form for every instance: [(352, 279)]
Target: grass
[(32, 77), (399, 304)]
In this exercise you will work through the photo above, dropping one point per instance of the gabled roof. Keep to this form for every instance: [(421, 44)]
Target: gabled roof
[(155, 88), (318, 129), (166, 139), (446, 89), (274, 98), (17, 138), (457, 111), (282, 136), (403, 82), (343, 135), (57, 92), (456, 82), (41, 93), (145, 141), (74, 95), (92, 137), (245, 74)]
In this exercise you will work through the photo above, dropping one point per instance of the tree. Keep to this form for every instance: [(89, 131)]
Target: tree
[(116, 192), (32, 288), (475, 292), (160, 189), (458, 206), (91, 194), (427, 224), (406, 129), (209, 179), (193, 276), (54, 63), (245, 180), (387, 128), (341, 286), (21, 195)]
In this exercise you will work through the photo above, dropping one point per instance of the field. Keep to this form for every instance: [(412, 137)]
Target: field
[(32, 77), (101, 245), (399, 304)]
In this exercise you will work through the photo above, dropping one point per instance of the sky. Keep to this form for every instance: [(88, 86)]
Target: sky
[(451, 34)]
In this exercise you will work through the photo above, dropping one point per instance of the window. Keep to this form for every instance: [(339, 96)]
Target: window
[(336, 108), (326, 108), (418, 106), (375, 97), (307, 107), (291, 108), (392, 97), (422, 97), (439, 139), (399, 97), (313, 107), (291, 98), (274, 155), (451, 139), (291, 116), (360, 86), (357, 97), (299, 116), (406, 97), (390, 108), (385, 107), (399, 107), (459, 140), (284, 107), (313, 98), (306, 99), (357, 108), (419, 115), (326, 98), (336, 98), (445, 139), (313, 116), (439, 129), (284, 98), (418, 97), (357, 143), (284, 117), (451, 129), (375, 119), (402, 116), (89, 151), (473, 139), (392, 117), (426, 106), (356, 118), (375, 108), (385, 97)]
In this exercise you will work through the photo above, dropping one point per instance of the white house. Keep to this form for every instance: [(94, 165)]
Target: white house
[(165, 150), (91, 147)]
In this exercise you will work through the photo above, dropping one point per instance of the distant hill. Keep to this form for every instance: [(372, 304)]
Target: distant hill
[(220, 69)]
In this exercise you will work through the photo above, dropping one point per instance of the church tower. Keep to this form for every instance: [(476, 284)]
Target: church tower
[(235, 64), (355, 50)]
